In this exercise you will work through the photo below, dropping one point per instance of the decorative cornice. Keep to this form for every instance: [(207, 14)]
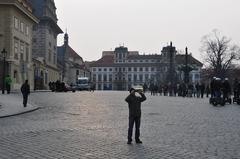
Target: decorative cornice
[(23, 6)]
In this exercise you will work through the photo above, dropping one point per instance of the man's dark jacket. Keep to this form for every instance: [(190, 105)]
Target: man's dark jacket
[(25, 89), (134, 104)]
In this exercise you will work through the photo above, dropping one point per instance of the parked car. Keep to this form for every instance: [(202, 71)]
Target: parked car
[(69, 88)]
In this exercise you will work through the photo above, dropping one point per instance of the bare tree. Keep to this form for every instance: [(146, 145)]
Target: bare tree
[(218, 53)]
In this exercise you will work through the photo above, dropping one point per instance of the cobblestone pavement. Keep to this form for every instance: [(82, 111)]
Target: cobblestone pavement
[(88, 125)]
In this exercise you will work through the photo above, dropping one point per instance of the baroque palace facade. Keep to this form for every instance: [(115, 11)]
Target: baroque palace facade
[(121, 69), (16, 23)]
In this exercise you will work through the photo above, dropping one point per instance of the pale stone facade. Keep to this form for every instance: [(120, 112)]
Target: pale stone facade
[(45, 38), (16, 22), (121, 69)]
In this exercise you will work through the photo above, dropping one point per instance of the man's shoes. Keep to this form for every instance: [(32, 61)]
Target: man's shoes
[(129, 142), (138, 141)]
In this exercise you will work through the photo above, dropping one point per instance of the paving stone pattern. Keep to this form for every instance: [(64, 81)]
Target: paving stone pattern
[(88, 125)]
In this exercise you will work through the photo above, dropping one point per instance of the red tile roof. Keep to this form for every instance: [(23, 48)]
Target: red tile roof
[(107, 60), (72, 53)]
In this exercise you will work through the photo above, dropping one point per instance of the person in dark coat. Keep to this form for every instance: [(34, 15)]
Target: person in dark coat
[(226, 88), (134, 105), (25, 89), (202, 89)]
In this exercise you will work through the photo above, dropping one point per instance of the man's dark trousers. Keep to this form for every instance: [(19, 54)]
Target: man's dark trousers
[(137, 121), (25, 99), (8, 87)]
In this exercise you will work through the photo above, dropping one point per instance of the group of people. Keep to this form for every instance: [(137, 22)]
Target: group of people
[(236, 89), (223, 88), (217, 87), (57, 86), (182, 89)]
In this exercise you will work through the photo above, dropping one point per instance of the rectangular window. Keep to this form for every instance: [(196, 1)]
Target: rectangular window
[(152, 69), (94, 77), (129, 69), (140, 77), (140, 69), (110, 69), (21, 51), (146, 77), (123, 69), (135, 77), (129, 77), (27, 53), (110, 78), (22, 27), (99, 77), (94, 69), (146, 69), (105, 69), (15, 49), (99, 87), (152, 76), (16, 23), (27, 30), (135, 69), (99, 69), (104, 77)]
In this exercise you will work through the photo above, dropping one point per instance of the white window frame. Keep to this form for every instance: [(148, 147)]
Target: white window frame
[(16, 23), (22, 27)]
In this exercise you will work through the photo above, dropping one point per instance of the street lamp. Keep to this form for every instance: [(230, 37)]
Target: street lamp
[(186, 71), (34, 76), (4, 53)]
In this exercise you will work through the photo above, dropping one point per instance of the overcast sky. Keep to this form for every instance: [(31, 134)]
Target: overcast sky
[(144, 25)]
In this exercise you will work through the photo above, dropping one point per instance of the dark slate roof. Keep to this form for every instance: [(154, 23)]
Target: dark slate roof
[(69, 50), (72, 53), (155, 56), (180, 59), (108, 61), (104, 61)]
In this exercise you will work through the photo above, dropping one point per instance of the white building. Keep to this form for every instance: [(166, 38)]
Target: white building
[(121, 69)]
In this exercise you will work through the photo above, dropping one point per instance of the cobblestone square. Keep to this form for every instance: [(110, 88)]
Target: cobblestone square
[(94, 125)]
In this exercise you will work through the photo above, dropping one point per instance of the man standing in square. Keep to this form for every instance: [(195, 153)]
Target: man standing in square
[(134, 105), (25, 89)]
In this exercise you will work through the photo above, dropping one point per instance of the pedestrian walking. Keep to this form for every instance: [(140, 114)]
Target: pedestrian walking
[(25, 89), (134, 105), (8, 82)]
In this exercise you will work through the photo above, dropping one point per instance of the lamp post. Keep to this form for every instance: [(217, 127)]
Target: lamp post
[(34, 76), (186, 71), (4, 53)]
